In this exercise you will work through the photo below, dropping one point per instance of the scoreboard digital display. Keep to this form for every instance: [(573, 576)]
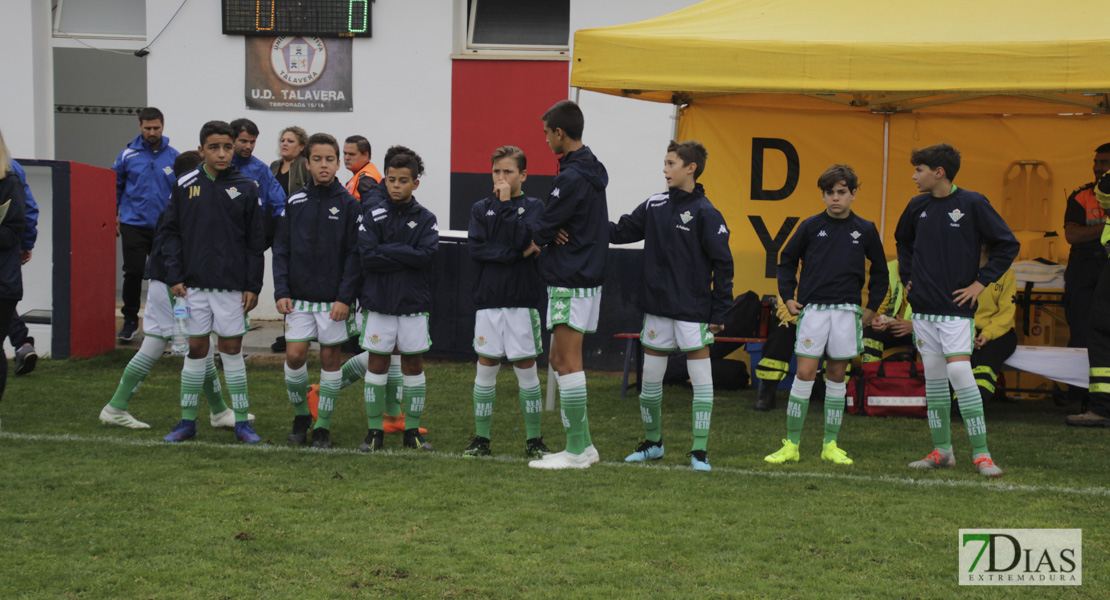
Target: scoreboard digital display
[(319, 18)]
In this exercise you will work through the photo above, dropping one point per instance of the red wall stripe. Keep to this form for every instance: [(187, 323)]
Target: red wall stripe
[(499, 102)]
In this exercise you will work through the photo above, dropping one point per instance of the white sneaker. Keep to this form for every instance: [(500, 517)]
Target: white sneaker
[(562, 460), (226, 419), (591, 451), (122, 418)]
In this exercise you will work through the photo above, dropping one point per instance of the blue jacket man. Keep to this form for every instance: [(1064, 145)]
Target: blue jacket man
[(144, 179)]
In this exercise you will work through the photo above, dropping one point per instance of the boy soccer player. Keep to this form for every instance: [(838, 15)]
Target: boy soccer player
[(685, 289), (397, 241), (214, 247), (507, 288), (316, 271), (573, 272), (158, 330), (832, 246), (939, 237)]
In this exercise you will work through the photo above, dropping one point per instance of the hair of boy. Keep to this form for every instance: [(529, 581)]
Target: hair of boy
[(394, 151), (690, 151), (244, 125), (1103, 149), (567, 116), (151, 114), (940, 155), (186, 161), (215, 128), (835, 174), (322, 138), (302, 136), (412, 162), (510, 152), (360, 142), (5, 157)]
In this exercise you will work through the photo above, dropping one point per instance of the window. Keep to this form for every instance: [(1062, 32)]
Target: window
[(120, 19), (518, 25)]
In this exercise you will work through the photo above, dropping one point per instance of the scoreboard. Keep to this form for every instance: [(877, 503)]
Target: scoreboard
[(319, 18)]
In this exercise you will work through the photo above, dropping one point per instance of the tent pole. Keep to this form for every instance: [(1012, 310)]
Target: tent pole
[(886, 166), (576, 91), (677, 113)]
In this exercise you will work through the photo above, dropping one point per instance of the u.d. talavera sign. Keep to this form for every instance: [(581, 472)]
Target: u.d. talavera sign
[(298, 73)]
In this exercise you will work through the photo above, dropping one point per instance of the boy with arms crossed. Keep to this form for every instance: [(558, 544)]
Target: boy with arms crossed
[(315, 284), (215, 240), (832, 247), (573, 272), (158, 328), (507, 288), (939, 237), (685, 238), (397, 241)]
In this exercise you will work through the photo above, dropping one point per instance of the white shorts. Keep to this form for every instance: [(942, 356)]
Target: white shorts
[(950, 336), (829, 329), (219, 312), (311, 322), (513, 333), (158, 312), (382, 333), (577, 307), (665, 334)]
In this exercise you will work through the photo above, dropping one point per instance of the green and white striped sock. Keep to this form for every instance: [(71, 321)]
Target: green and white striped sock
[(971, 409), (835, 400), (192, 380), (531, 403), (937, 406), (394, 394), (329, 391), (701, 376), (374, 396), (212, 391), (415, 387), (296, 383), (235, 372), (354, 369), (485, 393), (134, 373), (796, 409), (572, 405)]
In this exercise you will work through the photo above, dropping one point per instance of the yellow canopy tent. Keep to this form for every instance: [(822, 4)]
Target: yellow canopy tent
[(778, 91)]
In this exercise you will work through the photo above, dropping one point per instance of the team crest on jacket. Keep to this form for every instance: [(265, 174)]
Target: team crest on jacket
[(167, 170), (686, 216), (333, 210), (520, 211), (855, 235), (411, 224), (956, 215), (233, 193)]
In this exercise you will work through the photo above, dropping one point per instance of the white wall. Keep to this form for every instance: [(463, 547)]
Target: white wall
[(26, 104)]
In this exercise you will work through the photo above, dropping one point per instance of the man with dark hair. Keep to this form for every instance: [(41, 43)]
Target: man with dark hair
[(356, 157), (1084, 220), (269, 190), (144, 178)]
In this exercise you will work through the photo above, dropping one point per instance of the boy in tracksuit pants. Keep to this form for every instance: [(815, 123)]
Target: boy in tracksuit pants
[(215, 240), (397, 242), (939, 238), (316, 277), (576, 210), (685, 240), (832, 247), (158, 327), (507, 290)]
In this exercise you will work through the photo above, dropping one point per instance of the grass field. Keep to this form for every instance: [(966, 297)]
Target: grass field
[(91, 511)]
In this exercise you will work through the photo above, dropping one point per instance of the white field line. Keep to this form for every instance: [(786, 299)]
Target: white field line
[(998, 486)]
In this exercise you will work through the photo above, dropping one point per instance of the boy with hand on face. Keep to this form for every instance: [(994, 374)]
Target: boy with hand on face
[(507, 288), (316, 276), (215, 240)]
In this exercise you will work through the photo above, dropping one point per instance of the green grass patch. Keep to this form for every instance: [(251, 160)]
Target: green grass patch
[(92, 511)]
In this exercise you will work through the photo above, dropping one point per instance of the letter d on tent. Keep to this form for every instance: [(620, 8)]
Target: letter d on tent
[(759, 145)]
